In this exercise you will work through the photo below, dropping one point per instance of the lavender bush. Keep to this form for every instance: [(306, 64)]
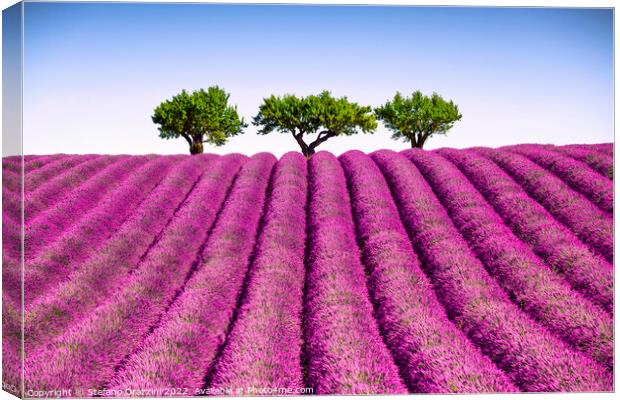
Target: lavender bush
[(596, 188), (186, 339), (532, 357), (593, 226), (531, 284), (587, 272), (430, 351)]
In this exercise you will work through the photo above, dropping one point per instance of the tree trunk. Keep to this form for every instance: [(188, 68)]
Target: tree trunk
[(417, 143), (422, 140), (305, 150), (195, 147), (308, 153)]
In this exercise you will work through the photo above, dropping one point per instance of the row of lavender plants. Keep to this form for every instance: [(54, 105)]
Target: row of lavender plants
[(56, 188), (42, 231), (533, 358), (13, 182), (593, 226), (87, 354), (263, 347), (69, 250), (531, 284), (12, 271), (48, 194), (30, 162), (183, 345), (80, 230), (433, 355), (73, 293), (94, 280), (587, 272), (575, 173), (601, 163), (604, 148), (337, 305), (11, 313), (56, 266)]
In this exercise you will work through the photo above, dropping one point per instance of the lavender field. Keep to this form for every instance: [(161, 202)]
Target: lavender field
[(477, 270)]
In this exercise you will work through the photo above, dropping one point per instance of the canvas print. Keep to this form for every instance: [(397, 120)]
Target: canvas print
[(292, 200)]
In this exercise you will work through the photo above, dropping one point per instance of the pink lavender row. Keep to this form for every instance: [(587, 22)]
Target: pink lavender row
[(432, 354), (605, 148), (186, 340), (49, 317), (575, 173), (12, 280), (11, 350), (44, 230), (558, 246), (533, 358), (35, 201), (11, 314), (11, 240), (31, 163), (94, 281), (263, 347), (12, 345), (601, 163), (11, 253), (44, 198), (41, 175), (12, 164), (13, 181), (11, 207), (593, 226), (88, 354), (62, 187), (66, 249), (57, 261), (338, 312), (29, 157), (12, 174), (48, 194), (54, 189), (530, 283)]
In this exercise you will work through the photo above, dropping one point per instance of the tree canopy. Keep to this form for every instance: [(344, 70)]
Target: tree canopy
[(301, 116), (199, 117), (418, 117)]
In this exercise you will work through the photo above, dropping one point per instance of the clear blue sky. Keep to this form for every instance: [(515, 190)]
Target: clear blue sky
[(94, 72)]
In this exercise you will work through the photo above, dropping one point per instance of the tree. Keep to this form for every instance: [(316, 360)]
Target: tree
[(418, 117), (321, 113), (199, 117)]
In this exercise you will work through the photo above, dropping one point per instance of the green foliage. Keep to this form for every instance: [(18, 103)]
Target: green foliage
[(418, 117), (316, 113), (199, 117)]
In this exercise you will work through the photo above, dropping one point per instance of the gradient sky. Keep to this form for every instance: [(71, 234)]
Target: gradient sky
[(94, 72)]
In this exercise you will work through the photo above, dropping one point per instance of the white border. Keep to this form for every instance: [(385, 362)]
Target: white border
[(484, 3)]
